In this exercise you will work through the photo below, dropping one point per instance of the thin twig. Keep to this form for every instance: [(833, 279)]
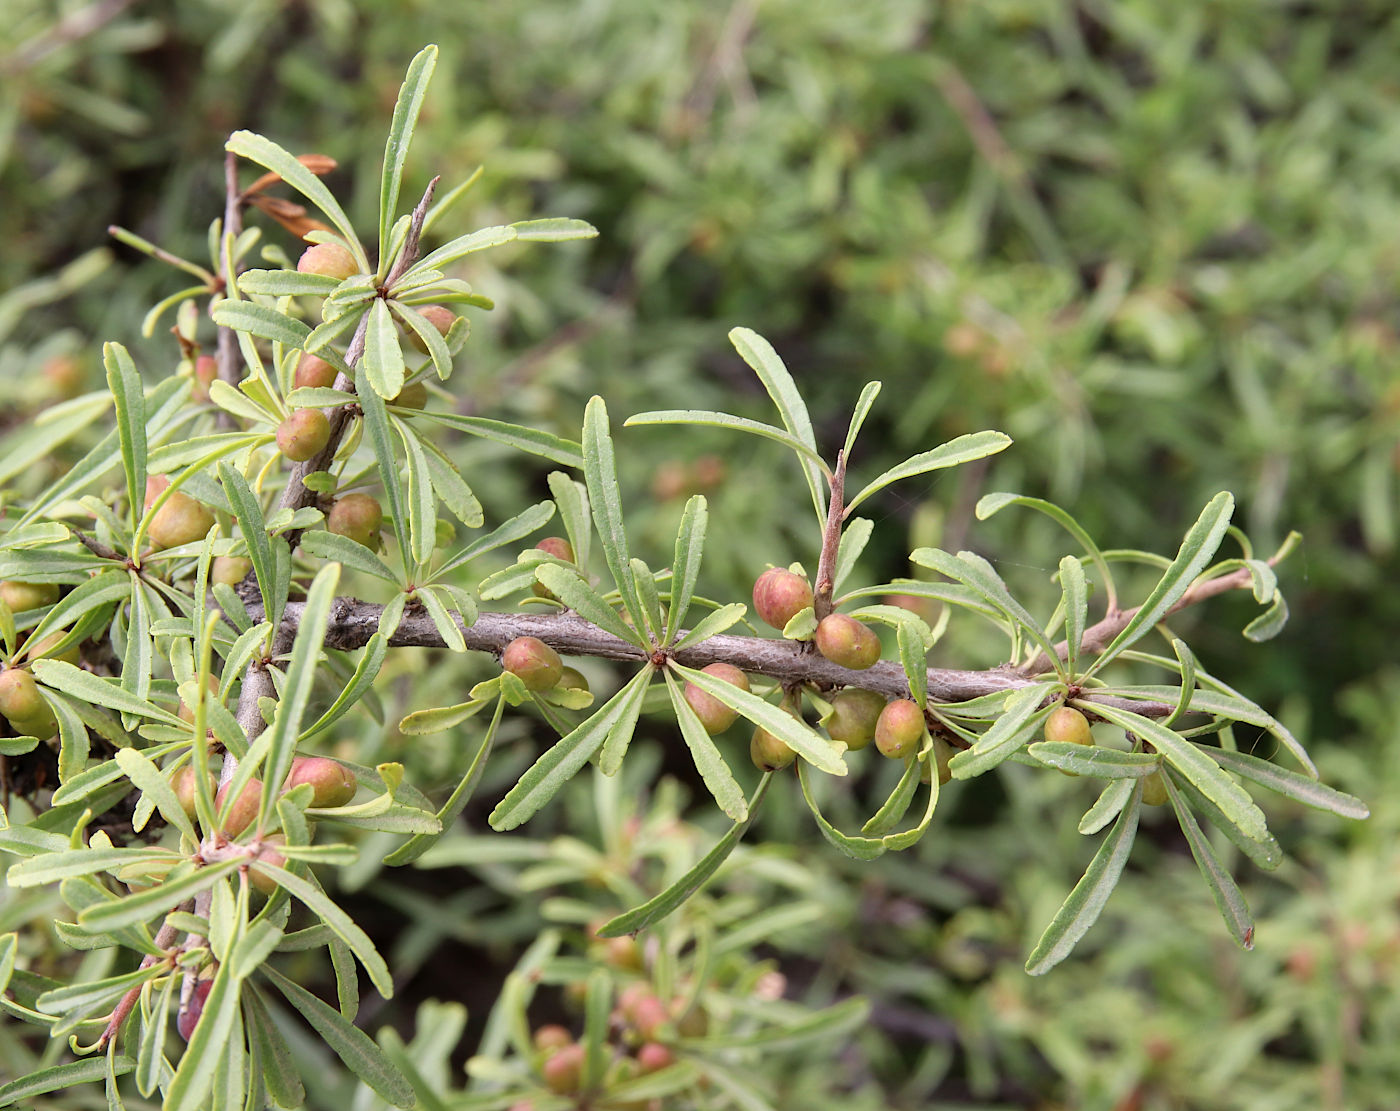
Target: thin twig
[(226, 354), (164, 939), (831, 539)]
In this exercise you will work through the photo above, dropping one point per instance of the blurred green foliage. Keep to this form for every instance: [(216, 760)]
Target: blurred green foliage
[(1157, 244)]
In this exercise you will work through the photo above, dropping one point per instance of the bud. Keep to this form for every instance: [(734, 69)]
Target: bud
[(769, 753), (779, 595), (313, 372), (331, 782), (330, 260), (845, 641), (853, 716), (533, 662), (357, 517), (714, 715), (21, 596), (899, 729), (244, 809), (303, 434)]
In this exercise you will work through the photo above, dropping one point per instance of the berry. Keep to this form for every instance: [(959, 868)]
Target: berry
[(206, 371), (440, 318), (357, 517), (268, 854), (563, 1071), (853, 716), (43, 649), (155, 486), (412, 396), (899, 729), (65, 376), (1069, 726), (714, 715), (560, 549), (1154, 790), (845, 641), (330, 260), (245, 808), (551, 1037), (230, 570), (303, 434), (181, 520), (769, 753), (649, 1016), (189, 1016), (313, 372), (653, 1057), (184, 784), (779, 595), (21, 596), (331, 782), (23, 706), (533, 662)]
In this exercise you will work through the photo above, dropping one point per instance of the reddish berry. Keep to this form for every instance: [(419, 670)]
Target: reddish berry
[(714, 715), (357, 517), (653, 1057), (245, 808), (313, 372), (533, 662), (779, 595), (845, 641), (303, 434), (564, 1070), (189, 1016), (21, 596), (330, 260), (181, 520), (331, 782), (769, 753)]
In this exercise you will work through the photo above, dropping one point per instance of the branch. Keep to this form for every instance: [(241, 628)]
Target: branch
[(352, 623), (1100, 635), (831, 539), (226, 353)]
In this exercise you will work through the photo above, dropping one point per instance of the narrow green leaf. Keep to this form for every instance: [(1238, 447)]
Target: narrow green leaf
[(685, 567), (1201, 541), (764, 361), (272, 157), (912, 657), (422, 507), (708, 761), (556, 449), (441, 618), (133, 909), (543, 779), (274, 1056), (621, 730), (152, 783), (994, 503), (855, 847), (663, 904), (380, 435), (1269, 623), (868, 394), (974, 571), (189, 1088), (713, 419), (341, 549), (508, 532), (964, 449), (797, 735), (254, 319), (1020, 718), (1081, 909), (896, 805), (1095, 760), (605, 498), (1197, 767), (569, 587), (855, 534), (479, 240), (129, 396), (572, 499), (59, 1077), (247, 510), (103, 692), (285, 283), (1228, 898), (1291, 785), (1075, 593), (383, 358), (428, 334), (1267, 854), (712, 624), (1187, 662), (1111, 800), (406, 110), (553, 229), (452, 488)]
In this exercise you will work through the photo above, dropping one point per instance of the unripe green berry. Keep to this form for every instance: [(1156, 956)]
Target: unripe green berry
[(1154, 790), (412, 396), (303, 434), (1068, 726), (533, 662), (563, 1071), (245, 808), (779, 595), (313, 372), (853, 716), (230, 570), (552, 1037), (181, 520), (21, 596), (357, 517), (714, 715), (899, 729), (23, 706), (439, 317), (330, 260), (845, 641), (769, 753), (331, 782), (43, 649)]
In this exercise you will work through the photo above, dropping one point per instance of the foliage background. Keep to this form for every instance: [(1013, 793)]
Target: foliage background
[(1157, 244)]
